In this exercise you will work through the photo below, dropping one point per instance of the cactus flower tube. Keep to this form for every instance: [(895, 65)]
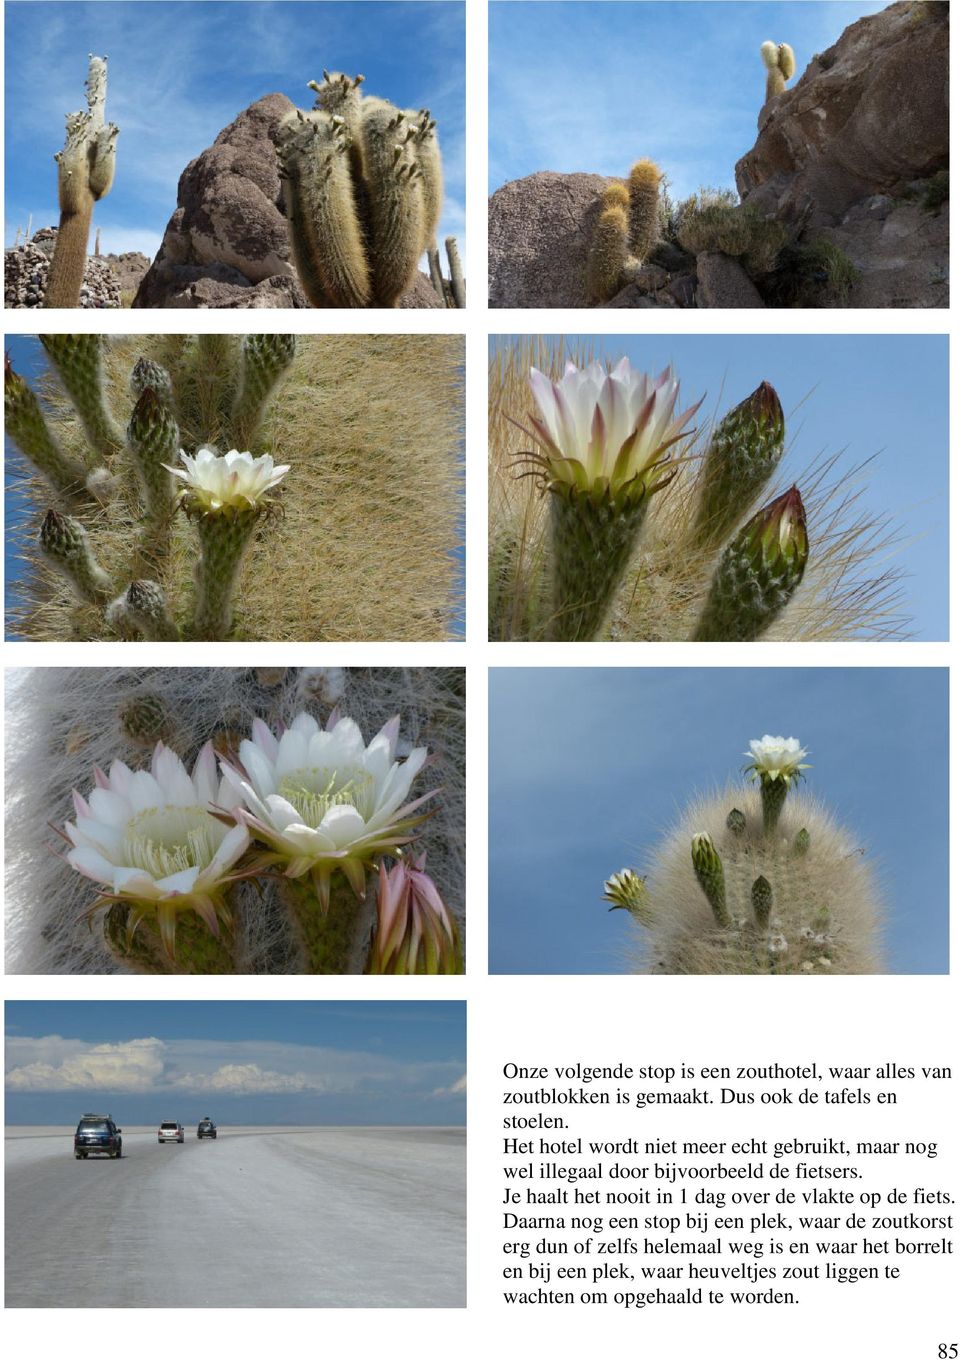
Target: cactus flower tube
[(415, 932), (150, 838), (777, 763), (743, 452), (628, 892), (226, 496), (322, 802), (604, 447), (757, 574)]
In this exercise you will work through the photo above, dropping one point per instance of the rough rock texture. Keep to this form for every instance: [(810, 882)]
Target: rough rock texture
[(25, 276), (226, 244), (723, 282), (129, 268), (867, 116), (840, 157)]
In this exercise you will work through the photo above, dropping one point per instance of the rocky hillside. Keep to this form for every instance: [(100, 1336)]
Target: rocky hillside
[(851, 162)]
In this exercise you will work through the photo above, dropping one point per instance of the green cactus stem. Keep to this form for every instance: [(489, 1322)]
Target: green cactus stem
[(153, 439), (609, 248), (593, 539), (78, 362), (458, 286), (757, 574), (196, 950), (214, 380), (761, 897), (85, 169), (224, 537), (26, 426), (736, 822), (708, 867), (644, 191), (744, 450), (263, 361), (328, 937), (363, 193), (773, 795), (66, 546), (142, 608)]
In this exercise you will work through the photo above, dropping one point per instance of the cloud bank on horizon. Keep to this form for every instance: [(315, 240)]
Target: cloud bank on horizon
[(180, 73), (681, 83)]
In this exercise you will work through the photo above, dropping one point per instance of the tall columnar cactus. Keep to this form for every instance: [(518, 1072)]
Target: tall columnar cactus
[(85, 170), (780, 65), (363, 193), (752, 900), (625, 232), (758, 573), (680, 548)]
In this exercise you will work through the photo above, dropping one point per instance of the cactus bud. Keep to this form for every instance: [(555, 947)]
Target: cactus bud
[(146, 373), (26, 426), (154, 441), (708, 867), (628, 892), (64, 543), (736, 822), (145, 720), (761, 895), (144, 606), (801, 842), (757, 574), (744, 450)]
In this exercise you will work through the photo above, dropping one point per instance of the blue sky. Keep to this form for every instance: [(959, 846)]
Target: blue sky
[(594, 86), (179, 73), (589, 767), (241, 1062), (29, 361), (883, 395)]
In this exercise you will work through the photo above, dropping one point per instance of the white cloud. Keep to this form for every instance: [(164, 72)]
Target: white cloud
[(133, 1066), (457, 1088), (251, 1079)]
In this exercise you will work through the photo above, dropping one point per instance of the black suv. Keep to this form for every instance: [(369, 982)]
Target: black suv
[(97, 1133), (206, 1128)]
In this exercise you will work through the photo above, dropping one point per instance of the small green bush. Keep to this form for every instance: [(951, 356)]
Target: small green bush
[(818, 274), (714, 220), (937, 191)]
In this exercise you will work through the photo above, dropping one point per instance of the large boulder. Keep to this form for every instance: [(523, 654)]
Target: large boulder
[(226, 244), (539, 235), (869, 115)]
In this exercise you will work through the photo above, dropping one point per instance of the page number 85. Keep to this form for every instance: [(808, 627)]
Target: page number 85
[(947, 1351)]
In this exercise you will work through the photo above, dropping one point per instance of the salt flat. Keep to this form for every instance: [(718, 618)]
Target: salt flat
[(260, 1218)]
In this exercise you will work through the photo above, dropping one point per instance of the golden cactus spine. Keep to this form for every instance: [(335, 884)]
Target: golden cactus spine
[(609, 249), (644, 188)]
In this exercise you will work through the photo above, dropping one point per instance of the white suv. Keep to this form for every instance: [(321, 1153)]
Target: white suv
[(170, 1132)]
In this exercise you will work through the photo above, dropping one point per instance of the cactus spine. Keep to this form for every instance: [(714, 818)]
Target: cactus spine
[(750, 901), (85, 169), (781, 65), (609, 247), (363, 194), (644, 183), (65, 544)]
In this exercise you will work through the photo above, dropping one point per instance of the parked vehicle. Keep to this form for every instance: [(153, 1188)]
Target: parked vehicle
[(97, 1135), (206, 1128), (170, 1132)]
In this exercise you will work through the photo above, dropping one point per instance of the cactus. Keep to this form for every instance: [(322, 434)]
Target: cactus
[(363, 194), (65, 544), (223, 541), (669, 564), (77, 722), (356, 573), (780, 65), (609, 247), (142, 608), (626, 231), (85, 169), (750, 902), (645, 178), (77, 359), (758, 574)]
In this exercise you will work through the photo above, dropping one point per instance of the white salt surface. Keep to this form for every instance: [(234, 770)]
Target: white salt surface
[(260, 1218)]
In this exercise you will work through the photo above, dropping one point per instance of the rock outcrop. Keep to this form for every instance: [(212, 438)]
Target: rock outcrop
[(843, 160), (25, 270), (226, 244)]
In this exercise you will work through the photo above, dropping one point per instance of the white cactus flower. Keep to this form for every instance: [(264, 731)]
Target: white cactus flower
[(150, 838), (615, 426), (233, 481), (321, 801), (776, 758)]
